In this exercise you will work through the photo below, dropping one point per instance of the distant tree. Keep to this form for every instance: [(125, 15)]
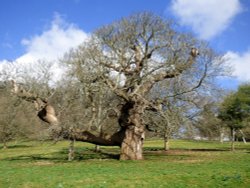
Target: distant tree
[(208, 124), (165, 122), (235, 110), (9, 127), (182, 100)]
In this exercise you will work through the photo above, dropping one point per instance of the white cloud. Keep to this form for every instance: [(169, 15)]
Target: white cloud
[(49, 46), (53, 43), (207, 18), (240, 64)]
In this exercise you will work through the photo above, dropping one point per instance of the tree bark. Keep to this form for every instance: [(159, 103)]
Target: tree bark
[(86, 136), (132, 145), (131, 120), (232, 139), (71, 153), (166, 143), (97, 148), (167, 134), (222, 135), (243, 137)]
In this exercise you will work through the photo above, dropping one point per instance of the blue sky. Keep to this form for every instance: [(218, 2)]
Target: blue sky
[(32, 30)]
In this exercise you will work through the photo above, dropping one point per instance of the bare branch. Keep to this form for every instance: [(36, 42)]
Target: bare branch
[(86, 136), (178, 69), (45, 111), (196, 86)]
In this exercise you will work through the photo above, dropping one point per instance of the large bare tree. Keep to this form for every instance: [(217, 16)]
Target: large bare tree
[(133, 55), (130, 57)]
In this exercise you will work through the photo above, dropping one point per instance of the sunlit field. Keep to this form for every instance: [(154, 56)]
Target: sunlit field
[(187, 164)]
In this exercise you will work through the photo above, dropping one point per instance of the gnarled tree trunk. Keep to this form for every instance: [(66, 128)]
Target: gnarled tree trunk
[(131, 120), (132, 145)]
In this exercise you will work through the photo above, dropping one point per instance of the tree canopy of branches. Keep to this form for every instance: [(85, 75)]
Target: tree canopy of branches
[(131, 56), (124, 61)]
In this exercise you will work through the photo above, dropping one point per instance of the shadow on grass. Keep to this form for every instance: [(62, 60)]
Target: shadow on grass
[(184, 152), (36, 157), (146, 149), (208, 150), (16, 146), (81, 154), (160, 149), (89, 153)]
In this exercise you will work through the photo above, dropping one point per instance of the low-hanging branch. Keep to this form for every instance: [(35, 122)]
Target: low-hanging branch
[(46, 113)]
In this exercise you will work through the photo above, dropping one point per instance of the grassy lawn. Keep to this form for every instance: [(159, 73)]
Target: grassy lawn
[(187, 164)]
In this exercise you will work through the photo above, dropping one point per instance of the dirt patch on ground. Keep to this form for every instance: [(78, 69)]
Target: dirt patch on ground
[(170, 152), (178, 156), (43, 163)]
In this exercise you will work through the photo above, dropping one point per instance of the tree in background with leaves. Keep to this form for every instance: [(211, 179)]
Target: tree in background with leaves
[(235, 111), (208, 124), (14, 121)]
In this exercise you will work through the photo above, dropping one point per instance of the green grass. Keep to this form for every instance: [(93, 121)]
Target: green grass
[(187, 164)]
